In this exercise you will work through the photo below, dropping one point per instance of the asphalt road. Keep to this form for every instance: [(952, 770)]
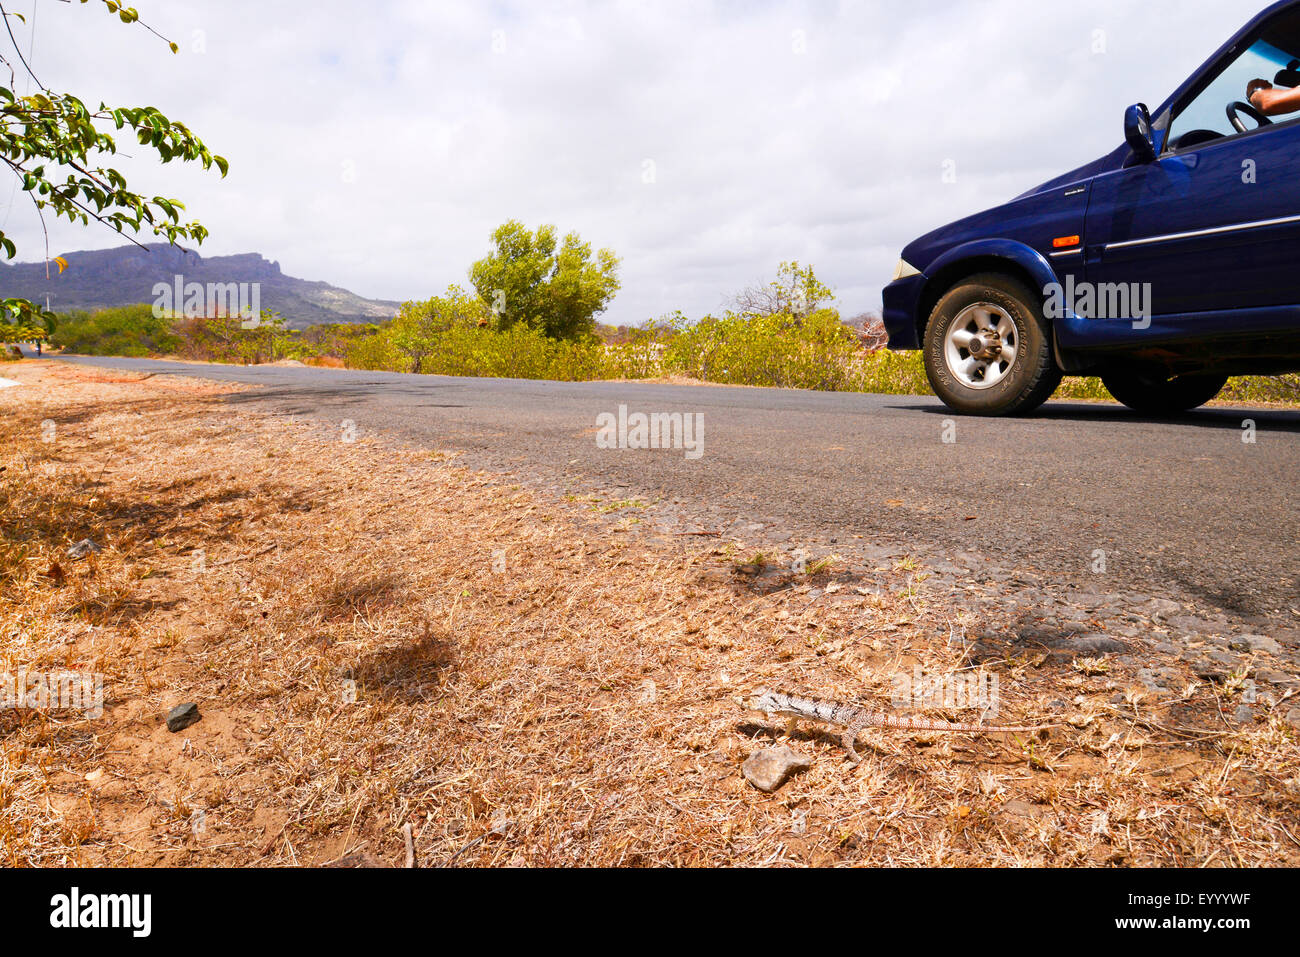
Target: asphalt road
[(1183, 509)]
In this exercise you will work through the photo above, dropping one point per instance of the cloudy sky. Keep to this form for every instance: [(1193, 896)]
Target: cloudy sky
[(375, 145)]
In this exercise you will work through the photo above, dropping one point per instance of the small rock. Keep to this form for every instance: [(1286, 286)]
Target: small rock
[(1232, 662), (769, 768), (1154, 681), (877, 553), (182, 716), (1257, 643), (1287, 636), (83, 549), (1091, 644), (1161, 607), (1275, 677), (1088, 600), (1293, 717), (1244, 715)]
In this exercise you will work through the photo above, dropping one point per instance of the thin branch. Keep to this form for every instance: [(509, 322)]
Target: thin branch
[(17, 49), (116, 227), (40, 215), (155, 33), (91, 176)]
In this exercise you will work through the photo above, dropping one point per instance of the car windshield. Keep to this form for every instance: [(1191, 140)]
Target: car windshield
[(1275, 58)]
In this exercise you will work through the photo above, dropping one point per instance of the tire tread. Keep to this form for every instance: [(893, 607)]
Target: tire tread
[(1046, 377)]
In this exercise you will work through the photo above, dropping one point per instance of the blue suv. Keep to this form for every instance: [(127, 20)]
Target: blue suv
[(1164, 267)]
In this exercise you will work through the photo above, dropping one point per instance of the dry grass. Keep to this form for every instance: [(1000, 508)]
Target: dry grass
[(362, 661)]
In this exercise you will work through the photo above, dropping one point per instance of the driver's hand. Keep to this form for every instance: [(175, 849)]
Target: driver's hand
[(1255, 86)]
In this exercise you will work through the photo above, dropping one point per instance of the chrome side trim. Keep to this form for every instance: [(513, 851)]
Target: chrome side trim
[(1217, 231), (1067, 252)]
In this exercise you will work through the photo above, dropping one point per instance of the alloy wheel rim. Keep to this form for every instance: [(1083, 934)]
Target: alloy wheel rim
[(982, 346)]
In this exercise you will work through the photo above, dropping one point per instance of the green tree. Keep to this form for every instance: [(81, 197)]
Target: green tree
[(532, 278), (418, 329), (263, 340), (57, 146), (796, 291)]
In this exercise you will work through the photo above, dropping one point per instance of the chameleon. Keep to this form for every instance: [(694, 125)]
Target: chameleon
[(853, 719)]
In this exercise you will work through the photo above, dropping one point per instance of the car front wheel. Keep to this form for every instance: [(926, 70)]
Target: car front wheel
[(988, 349), (1160, 395)]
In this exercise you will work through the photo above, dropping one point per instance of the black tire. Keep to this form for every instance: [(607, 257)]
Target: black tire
[(1159, 395), (1031, 377)]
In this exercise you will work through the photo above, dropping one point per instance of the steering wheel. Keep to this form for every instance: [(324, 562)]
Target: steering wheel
[(1237, 108)]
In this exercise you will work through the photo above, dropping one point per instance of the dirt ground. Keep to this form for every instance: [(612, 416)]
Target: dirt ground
[(378, 638)]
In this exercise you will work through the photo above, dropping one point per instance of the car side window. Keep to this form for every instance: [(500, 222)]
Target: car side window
[(1273, 59)]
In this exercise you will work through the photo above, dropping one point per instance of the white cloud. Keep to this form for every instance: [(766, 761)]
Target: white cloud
[(375, 146)]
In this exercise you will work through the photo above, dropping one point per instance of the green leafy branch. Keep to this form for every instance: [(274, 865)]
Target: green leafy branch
[(56, 147)]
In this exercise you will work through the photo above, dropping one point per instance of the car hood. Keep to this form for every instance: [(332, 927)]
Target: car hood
[(1032, 219), (1111, 161)]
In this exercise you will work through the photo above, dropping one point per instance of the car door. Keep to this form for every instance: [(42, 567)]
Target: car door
[(1213, 227)]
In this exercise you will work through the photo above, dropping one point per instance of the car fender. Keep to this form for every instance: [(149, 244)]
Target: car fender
[(982, 255), (990, 255), (996, 255)]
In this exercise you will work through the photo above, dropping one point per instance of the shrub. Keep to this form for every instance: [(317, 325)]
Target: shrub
[(778, 350), (467, 350), (1282, 388), (891, 373), (124, 331), (420, 329)]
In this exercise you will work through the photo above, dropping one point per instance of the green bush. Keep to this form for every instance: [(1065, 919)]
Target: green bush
[(891, 373), (519, 352), (136, 332), (1281, 388), (375, 353), (126, 331), (815, 351)]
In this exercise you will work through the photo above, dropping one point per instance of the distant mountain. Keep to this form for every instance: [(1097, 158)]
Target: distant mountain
[(127, 275)]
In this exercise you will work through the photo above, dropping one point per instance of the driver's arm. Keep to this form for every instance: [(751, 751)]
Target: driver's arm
[(1271, 101)]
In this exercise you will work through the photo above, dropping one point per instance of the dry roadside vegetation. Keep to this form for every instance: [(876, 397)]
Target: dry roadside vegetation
[(378, 637)]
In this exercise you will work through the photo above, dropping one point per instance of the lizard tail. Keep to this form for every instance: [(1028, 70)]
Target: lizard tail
[(925, 724)]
